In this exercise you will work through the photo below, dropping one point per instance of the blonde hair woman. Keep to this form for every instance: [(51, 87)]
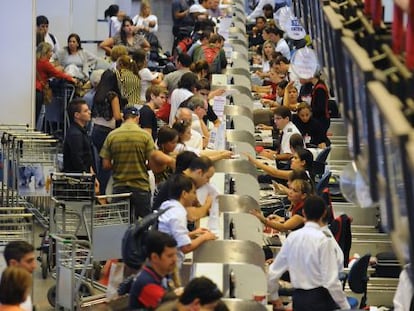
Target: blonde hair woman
[(128, 80), (44, 71), (145, 21)]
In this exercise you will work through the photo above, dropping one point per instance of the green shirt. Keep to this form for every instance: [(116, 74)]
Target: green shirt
[(129, 148)]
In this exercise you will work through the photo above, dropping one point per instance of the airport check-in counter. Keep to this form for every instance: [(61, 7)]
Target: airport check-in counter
[(231, 260)]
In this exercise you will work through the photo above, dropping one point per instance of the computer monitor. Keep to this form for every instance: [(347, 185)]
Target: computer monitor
[(317, 30), (333, 45), (394, 169), (375, 89), (362, 73)]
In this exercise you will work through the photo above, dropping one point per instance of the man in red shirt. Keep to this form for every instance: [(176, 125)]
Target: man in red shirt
[(151, 284)]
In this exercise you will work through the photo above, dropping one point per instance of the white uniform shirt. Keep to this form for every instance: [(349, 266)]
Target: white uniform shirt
[(309, 256), (288, 131), (338, 251), (174, 222), (144, 21), (404, 292), (283, 48), (146, 79), (54, 44), (196, 140)]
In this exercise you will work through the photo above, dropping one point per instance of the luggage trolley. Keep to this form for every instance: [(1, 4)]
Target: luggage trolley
[(72, 195), (26, 157), (73, 262), (77, 215), (35, 157), (55, 112), (15, 225), (6, 132)]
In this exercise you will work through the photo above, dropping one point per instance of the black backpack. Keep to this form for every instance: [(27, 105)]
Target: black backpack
[(134, 251), (341, 230)]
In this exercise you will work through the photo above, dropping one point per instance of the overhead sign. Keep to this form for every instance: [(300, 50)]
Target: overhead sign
[(294, 29), (304, 63)]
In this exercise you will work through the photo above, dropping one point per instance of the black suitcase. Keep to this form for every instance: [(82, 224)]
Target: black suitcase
[(387, 265)]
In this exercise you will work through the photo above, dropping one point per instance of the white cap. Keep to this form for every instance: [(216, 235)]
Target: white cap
[(197, 8)]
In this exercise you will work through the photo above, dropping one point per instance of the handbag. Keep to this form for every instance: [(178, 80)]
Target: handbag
[(47, 91)]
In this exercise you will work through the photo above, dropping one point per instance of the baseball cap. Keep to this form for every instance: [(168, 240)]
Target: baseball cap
[(131, 111), (197, 8)]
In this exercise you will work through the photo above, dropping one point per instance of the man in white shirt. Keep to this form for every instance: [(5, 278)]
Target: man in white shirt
[(403, 298), (275, 35), (21, 254), (182, 194), (309, 256), (42, 24)]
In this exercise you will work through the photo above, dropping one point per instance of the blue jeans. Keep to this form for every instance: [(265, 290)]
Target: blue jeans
[(99, 134), (140, 200)]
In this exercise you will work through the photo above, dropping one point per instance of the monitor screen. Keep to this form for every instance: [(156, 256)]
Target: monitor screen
[(378, 148), (395, 168), (333, 57), (362, 70)]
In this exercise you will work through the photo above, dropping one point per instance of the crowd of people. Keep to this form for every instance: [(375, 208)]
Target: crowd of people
[(150, 131)]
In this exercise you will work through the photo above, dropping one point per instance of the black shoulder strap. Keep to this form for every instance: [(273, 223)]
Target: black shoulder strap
[(53, 38)]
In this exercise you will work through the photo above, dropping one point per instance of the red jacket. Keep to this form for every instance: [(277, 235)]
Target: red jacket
[(46, 70)]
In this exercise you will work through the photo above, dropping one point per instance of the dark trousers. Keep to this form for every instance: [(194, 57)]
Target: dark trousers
[(99, 134), (317, 299), (39, 103), (140, 200)]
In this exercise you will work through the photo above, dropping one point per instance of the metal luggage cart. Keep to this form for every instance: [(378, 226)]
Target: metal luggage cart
[(73, 195), (108, 225), (31, 159), (73, 263), (55, 112), (33, 150), (75, 211), (15, 225)]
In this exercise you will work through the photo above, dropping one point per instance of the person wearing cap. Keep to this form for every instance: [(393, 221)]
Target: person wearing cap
[(199, 294), (126, 151), (198, 12)]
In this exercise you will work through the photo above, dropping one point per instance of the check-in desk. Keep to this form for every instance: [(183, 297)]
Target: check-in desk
[(233, 262)]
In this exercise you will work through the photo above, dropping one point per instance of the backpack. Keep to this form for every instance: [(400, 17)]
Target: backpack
[(184, 45), (341, 230), (212, 57), (133, 248)]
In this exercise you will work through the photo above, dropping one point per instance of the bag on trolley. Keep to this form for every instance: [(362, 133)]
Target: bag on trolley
[(134, 251)]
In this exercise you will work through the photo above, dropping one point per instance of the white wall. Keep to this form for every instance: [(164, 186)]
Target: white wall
[(17, 63), (18, 60)]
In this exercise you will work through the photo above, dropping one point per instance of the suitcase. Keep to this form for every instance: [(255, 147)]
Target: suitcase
[(387, 265)]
